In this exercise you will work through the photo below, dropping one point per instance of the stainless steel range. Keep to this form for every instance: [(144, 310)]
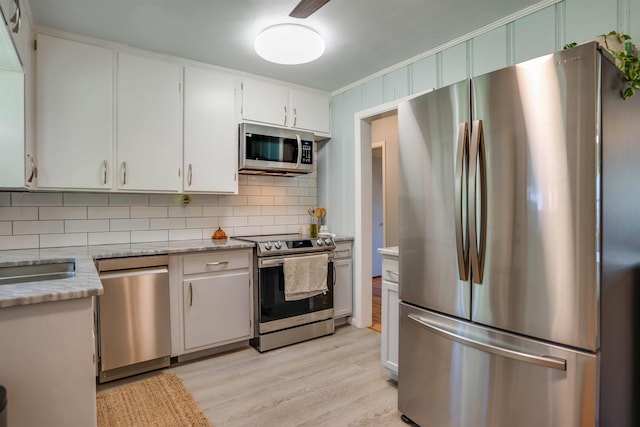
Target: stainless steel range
[(278, 321)]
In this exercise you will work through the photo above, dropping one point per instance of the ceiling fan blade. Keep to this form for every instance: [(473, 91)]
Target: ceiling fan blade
[(305, 8)]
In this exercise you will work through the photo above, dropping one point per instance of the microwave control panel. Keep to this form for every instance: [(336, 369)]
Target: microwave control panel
[(307, 153)]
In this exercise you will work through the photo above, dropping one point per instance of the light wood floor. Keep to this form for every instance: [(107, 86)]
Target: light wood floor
[(330, 381), (376, 301)]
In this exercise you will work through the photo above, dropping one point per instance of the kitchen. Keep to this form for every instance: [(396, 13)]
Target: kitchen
[(519, 36)]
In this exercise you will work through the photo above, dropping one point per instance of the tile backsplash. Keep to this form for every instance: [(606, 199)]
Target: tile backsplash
[(263, 205)]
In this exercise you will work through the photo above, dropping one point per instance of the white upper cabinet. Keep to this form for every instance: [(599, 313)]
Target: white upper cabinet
[(74, 116), (149, 125), (210, 132), (279, 105)]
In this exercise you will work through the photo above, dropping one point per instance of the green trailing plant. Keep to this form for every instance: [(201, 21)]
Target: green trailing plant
[(626, 56)]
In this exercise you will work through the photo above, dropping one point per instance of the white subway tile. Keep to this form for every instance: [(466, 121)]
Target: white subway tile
[(297, 210), (218, 211), (260, 220), (243, 179), (190, 234), (247, 210), (128, 199), (86, 225), (5, 198), (286, 219), (109, 238), (273, 210), (260, 200), (165, 200), (186, 211), (18, 213), (303, 219), (204, 200), (274, 229), (5, 228), (234, 221), (283, 181), (149, 236), (107, 212), (86, 199), (307, 182), (38, 227), (274, 191), (300, 229), (36, 199), (203, 222), (62, 213), (232, 200), (61, 240), (310, 201), (246, 231), (313, 192), (259, 180), (19, 242), (149, 212), (250, 190), (128, 224), (286, 201), (297, 191), (167, 223)]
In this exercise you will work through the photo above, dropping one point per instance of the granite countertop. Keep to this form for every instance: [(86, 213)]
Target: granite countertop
[(86, 282), (391, 250)]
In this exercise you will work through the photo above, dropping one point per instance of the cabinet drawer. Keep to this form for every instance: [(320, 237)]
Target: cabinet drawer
[(218, 261), (390, 269), (343, 250)]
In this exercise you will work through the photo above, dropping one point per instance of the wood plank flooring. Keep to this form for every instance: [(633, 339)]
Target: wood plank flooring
[(376, 301), (330, 381)]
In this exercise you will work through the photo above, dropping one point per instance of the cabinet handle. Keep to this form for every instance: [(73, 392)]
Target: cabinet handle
[(335, 274), (285, 115), (124, 173), (342, 251), (34, 170), (295, 117), (190, 295), (190, 174), (393, 273), (104, 175), (218, 263)]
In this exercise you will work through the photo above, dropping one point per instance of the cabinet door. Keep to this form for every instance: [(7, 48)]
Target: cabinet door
[(216, 310), (390, 329), (210, 132), (12, 129), (265, 102), (149, 135), (310, 111), (74, 104), (343, 289)]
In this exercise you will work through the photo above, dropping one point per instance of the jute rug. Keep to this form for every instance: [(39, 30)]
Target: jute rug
[(159, 401)]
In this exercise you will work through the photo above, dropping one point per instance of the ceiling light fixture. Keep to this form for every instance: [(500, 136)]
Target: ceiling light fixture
[(289, 44)]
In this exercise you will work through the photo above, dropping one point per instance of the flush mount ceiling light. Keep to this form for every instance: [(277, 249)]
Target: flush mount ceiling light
[(289, 44)]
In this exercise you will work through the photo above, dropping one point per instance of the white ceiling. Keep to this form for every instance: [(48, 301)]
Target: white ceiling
[(362, 36)]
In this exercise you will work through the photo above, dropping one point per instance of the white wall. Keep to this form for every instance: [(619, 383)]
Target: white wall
[(264, 205)]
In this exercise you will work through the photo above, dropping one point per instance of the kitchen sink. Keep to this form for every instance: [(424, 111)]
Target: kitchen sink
[(37, 272)]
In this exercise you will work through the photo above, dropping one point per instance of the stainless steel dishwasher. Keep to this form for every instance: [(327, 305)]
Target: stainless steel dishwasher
[(133, 316)]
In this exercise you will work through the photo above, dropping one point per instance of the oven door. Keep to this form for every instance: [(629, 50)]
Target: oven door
[(275, 313)]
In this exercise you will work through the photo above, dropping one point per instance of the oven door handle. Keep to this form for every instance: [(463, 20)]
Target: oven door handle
[(280, 261)]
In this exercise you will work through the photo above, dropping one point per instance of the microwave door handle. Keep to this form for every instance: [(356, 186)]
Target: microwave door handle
[(299, 151)]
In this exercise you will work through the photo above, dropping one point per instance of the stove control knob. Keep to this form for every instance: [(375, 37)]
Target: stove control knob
[(319, 242), (278, 245), (267, 246), (327, 241)]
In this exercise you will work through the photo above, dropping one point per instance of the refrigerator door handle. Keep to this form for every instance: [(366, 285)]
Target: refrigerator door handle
[(477, 160), (462, 235), (546, 361)]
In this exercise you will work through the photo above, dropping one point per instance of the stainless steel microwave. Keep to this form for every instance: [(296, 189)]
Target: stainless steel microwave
[(266, 150)]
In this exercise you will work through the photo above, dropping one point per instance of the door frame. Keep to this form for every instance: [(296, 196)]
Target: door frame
[(362, 245), (382, 145)]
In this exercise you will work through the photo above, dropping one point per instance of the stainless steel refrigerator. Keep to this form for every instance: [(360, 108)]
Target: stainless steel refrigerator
[(520, 248)]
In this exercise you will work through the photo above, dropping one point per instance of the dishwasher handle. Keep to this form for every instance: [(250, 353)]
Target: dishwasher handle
[(136, 272)]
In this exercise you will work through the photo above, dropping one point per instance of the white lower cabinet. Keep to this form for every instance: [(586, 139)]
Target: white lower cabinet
[(343, 288), (214, 299), (390, 315)]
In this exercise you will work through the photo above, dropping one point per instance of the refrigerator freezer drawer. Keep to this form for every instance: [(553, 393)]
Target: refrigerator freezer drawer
[(455, 373)]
